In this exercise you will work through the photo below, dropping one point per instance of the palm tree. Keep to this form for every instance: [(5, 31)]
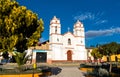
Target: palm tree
[(20, 58)]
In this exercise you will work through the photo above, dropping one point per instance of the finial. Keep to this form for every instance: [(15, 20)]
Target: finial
[(55, 18), (68, 29), (78, 21)]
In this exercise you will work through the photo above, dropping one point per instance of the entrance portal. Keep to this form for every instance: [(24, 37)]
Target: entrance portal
[(69, 55), (41, 57)]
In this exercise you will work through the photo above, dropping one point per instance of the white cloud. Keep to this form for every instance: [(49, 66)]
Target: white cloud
[(84, 16), (101, 21), (95, 33), (97, 18)]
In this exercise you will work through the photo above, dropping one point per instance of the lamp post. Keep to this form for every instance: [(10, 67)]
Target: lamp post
[(34, 64)]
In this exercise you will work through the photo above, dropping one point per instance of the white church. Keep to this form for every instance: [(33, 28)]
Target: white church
[(68, 47)]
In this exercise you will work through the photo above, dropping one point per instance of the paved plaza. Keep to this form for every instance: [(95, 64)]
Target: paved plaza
[(69, 72)]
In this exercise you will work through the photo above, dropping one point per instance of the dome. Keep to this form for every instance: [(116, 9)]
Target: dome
[(55, 20), (78, 24)]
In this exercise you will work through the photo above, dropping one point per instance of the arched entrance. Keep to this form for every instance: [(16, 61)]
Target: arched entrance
[(69, 55)]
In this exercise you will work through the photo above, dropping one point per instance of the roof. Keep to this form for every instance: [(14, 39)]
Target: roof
[(43, 42)]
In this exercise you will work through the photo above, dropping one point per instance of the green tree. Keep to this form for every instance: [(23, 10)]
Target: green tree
[(109, 49), (19, 27), (96, 54), (20, 58)]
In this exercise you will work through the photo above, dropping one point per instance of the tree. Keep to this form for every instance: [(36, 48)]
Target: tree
[(108, 50), (20, 58), (19, 27), (96, 54)]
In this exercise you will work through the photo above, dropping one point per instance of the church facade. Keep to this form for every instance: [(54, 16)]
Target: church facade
[(64, 47), (68, 46)]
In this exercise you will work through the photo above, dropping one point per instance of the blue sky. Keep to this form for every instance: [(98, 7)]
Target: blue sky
[(101, 18)]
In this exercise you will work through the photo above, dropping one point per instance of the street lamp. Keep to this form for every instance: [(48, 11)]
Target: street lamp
[(34, 64)]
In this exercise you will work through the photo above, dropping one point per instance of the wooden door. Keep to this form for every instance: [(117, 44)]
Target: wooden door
[(69, 55)]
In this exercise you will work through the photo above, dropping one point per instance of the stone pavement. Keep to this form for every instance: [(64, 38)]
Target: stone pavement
[(67, 69), (69, 72)]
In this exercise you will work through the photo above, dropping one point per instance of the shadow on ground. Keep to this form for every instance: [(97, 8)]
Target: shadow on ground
[(48, 71)]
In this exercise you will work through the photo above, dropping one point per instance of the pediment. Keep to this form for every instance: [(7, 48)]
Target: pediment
[(68, 34)]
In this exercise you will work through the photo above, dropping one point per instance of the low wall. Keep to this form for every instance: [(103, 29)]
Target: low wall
[(22, 75)]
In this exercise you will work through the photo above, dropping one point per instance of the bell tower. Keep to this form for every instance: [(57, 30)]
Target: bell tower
[(55, 37), (78, 32), (55, 26), (78, 29)]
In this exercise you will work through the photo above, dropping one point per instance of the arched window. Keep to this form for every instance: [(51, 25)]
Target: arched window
[(69, 41), (55, 29), (81, 41), (57, 39)]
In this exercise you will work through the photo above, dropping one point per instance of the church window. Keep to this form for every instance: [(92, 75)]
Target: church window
[(69, 41), (57, 39), (55, 29)]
